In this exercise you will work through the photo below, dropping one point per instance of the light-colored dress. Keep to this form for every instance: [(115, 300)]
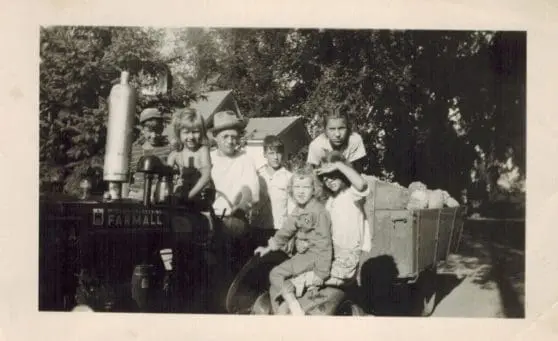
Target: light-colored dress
[(349, 230), (190, 164)]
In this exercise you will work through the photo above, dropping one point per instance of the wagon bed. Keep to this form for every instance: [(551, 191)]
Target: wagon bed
[(415, 240)]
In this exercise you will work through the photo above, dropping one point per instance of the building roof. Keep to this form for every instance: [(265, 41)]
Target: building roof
[(211, 103), (207, 106), (259, 127)]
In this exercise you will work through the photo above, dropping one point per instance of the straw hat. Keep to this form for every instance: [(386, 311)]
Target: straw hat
[(224, 120)]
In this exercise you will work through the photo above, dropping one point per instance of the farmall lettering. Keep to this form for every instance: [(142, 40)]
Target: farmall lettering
[(134, 218)]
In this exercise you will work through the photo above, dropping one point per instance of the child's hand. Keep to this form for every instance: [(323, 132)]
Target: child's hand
[(237, 208), (262, 251), (301, 246), (327, 168), (313, 281), (313, 291), (310, 279), (243, 206)]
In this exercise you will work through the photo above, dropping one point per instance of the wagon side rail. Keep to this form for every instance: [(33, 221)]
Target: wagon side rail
[(438, 235)]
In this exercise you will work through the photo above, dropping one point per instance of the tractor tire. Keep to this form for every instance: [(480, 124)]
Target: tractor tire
[(349, 308)]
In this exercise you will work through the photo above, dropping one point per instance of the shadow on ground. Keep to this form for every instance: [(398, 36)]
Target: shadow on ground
[(386, 295), (491, 253), (505, 244)]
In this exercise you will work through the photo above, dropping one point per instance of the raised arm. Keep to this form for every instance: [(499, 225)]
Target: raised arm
[(360, 164), (353, 176), (357, 181)]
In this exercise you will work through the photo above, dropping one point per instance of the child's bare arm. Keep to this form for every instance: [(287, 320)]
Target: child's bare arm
[(201, 183), (171, 159), (352, 175), (205, 170), (359, 165)]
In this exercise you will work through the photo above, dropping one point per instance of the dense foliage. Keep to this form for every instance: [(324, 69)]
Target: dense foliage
[(430, 105), (78, 67)]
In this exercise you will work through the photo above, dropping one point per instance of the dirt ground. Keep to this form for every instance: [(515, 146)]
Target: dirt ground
[(491, 258)]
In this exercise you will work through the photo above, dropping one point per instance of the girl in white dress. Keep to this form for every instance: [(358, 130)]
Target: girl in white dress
[(349, 228)]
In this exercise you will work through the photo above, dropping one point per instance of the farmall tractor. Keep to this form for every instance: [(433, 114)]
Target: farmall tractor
[(109, 253), (105, 252)]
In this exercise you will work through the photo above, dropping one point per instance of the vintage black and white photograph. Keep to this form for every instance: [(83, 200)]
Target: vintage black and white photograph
[(286, 171)]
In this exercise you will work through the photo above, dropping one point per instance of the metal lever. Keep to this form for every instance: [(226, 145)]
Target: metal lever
[(399, 220)]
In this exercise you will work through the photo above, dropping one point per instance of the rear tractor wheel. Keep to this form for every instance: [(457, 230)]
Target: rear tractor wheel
[(349, 308)]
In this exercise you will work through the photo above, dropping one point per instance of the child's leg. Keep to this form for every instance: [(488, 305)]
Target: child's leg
[(279, 276), (292, 303), (336, 282), (278, 280)]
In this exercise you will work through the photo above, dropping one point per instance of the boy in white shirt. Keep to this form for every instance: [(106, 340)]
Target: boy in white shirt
[(275, 203)]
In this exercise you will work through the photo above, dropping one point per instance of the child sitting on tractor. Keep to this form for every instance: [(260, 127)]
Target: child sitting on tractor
[(310, 225), (190, 156), (349, 228)]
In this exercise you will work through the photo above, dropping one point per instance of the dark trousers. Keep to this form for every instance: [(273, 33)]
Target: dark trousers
[(232, 249), (235, 242)]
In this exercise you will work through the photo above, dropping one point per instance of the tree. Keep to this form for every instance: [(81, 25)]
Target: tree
[(78, 67), (425, 102), (421, 99)]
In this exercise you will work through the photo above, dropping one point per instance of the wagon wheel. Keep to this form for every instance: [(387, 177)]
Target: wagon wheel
[(349, 308), (262, 306), (253, 274)]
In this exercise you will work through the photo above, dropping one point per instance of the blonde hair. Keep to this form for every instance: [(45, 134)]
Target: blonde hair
[(306, 172), (188, 119)]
